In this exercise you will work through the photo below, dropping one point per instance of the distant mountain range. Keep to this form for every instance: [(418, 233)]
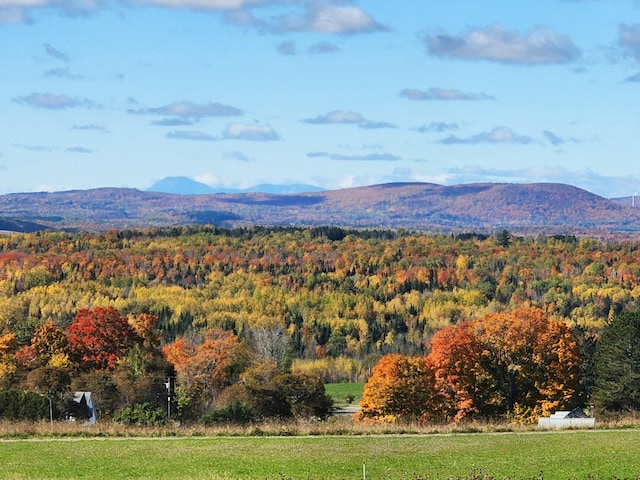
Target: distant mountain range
[(520, 208), (187, 186)]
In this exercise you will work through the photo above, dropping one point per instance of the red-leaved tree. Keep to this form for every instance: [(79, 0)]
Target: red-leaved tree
[(99, 337)]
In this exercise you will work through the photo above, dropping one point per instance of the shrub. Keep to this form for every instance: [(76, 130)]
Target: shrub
[(19, 405), (141, 414), (235, 413)]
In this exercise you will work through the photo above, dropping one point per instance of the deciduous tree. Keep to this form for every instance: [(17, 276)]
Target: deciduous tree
[(99, 337), (401, 388), (534, 360)]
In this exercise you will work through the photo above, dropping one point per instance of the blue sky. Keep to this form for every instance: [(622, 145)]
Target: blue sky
[(333, 93)]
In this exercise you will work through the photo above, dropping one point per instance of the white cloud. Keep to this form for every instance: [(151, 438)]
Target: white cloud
[(187, 109), (630, 39), (539, 46), (207, 178), (608, 187), (320, 16), (24, 3), (336, 116), (17, 11), (342, 19), (498, 135), (207, 4), (252, 132)]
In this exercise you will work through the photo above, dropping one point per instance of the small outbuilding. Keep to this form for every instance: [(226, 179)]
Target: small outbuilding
[(576, 418), (84, 400)]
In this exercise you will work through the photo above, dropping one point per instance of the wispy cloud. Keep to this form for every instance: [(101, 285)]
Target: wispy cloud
[(33, 148), (19, 11), (556, 140), (251, 132), (368, 125), (90, 127), (61, 73), (208, 4), (173, 122), (51, 101), (499, 135), (187, 109), (437, 93), (78, 150), (235, 155), (633, 78), (53, 52), (322, 48), (439, 127), (605, 186), (371, 157), (629, 39), (336, 117), (287, 48), (191, 135), (539, 46)]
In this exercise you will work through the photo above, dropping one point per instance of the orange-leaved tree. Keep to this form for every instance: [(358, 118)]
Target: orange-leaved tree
[(205, 369), (401, 388), (534, 360), (459, 376)]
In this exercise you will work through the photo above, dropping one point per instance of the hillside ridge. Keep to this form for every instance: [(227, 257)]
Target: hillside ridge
[(482, 207)]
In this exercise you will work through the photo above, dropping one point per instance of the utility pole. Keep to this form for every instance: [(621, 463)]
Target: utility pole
[(169, 386)]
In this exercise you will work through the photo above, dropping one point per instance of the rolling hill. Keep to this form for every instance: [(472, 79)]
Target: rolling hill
[(520, 208)]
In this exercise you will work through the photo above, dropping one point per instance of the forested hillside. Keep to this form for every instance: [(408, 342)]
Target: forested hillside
[(328, 301), (336, 292), (524, 208)]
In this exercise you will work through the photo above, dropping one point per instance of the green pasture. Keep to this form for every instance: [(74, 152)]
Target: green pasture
[(557, 455), (340, 391)]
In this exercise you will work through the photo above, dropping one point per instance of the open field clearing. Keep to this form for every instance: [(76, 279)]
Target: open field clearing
[(596, 454)]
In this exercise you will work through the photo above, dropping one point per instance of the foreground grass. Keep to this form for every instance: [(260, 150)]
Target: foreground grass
[(596, 454)]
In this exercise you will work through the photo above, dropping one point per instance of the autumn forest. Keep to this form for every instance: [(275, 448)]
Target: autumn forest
[(250, 323)]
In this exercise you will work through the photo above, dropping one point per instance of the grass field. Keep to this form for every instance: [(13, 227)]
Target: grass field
[(596, 454), (341, 391)]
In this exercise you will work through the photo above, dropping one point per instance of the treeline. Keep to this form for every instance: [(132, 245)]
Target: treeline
[(325, 300), (518, 366), (210, 376)]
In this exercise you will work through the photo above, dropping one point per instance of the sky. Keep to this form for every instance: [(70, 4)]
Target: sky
[(332, 93)]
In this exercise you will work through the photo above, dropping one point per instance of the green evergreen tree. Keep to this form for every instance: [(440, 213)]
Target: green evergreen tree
[(616, 367), (503, 238)]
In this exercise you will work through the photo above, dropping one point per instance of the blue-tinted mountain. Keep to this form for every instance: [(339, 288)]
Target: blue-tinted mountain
[(187, 186)]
